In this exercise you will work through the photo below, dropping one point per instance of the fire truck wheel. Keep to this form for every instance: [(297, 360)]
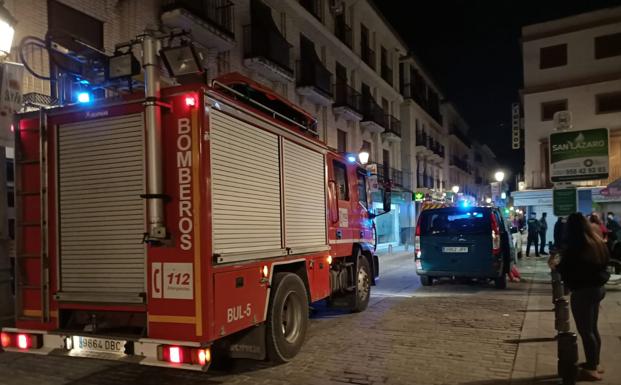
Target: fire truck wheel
[(287, 318), (363, 285)]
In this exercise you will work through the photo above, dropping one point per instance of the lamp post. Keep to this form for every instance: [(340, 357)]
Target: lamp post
[(363, 156), (455, 190)]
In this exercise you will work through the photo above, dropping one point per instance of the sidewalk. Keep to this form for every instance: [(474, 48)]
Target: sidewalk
[(536, 357)]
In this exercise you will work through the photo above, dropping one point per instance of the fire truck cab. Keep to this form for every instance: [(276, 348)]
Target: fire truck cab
[(261, 219)]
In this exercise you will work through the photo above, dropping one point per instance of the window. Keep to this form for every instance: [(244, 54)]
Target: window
[(553, 56), (340, 177), (608, 46), (10, 197), (341, 140), (10, 173), (607, 103), (453, 222), (362, 188), (548, 109), (341, 74)]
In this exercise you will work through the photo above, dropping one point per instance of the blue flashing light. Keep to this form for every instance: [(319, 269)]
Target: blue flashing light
[(84, 97), (351, 158), (465, 204), (84, 82)]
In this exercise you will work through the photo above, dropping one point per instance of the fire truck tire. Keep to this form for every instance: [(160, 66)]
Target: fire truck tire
[(363, 285), (287, 317)]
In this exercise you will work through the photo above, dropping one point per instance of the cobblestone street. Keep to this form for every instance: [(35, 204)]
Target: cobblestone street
[(446, 334)]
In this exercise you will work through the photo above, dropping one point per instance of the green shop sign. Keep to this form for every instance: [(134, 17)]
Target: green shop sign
[(579, 155), (564, 201)]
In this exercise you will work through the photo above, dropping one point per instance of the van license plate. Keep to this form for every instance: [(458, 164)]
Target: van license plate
[(454, 249), (89, 344)]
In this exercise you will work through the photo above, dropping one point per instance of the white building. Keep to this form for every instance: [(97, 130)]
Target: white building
[(572, 64), (460, 154)]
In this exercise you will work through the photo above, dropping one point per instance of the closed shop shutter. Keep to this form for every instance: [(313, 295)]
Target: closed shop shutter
[(304, 180), (245, 188), (101, 214)]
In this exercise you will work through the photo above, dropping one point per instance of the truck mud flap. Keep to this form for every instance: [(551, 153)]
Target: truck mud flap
[(249, 343)]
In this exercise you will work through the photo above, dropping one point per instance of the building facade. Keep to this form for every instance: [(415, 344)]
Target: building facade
[(340, 60), (571, 64)]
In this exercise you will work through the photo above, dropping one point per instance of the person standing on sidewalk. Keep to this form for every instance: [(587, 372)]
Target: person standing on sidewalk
[(533, 234), (543, 229), (558, 232), (582, 266)]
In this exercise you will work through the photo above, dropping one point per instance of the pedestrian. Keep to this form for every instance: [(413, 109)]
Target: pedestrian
[(543, 229), (533, 234), (613, 227), (582, 266), (558, 232), (598, 226)]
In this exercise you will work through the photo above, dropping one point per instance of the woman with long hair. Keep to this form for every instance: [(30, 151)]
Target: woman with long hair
[(584, 258), (598, 226)]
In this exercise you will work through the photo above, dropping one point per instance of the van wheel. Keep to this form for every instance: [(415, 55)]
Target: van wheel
[(501, 282), (426, 280), (287, 317), (363, 285)]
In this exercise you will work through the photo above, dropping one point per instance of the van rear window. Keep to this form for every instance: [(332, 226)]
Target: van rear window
[(454, 222)]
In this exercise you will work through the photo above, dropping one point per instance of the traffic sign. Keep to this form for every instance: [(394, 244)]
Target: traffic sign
[(579, 155), (564, 200), (419, 196)]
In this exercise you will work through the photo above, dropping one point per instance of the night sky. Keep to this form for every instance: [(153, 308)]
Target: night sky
[(471, 48)]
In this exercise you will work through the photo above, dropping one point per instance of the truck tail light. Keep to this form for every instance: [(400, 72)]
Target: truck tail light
[(5, 338), (495, 236), (184, 355), (21, 340), (417, 241), (190, 101)]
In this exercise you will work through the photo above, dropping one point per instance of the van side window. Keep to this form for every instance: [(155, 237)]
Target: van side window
[(340, 176), (362, 188)]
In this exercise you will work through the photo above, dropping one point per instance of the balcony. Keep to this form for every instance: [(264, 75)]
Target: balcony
[(314, 80), (348, 102), (343, 31), (460, 164), (387, 74), (418, 93), (392, 132), (266, 51), (396, 177), (367, 55), (313, 7), (210, 21), (423, 141), (461, 136), (373, 117)]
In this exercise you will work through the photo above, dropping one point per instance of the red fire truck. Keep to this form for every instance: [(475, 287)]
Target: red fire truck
[(258, 219)]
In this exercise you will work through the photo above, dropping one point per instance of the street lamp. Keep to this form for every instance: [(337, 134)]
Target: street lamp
[(363, 156), (499, 176), (7, 30), (455, 189), (503, 195), (488, 200)]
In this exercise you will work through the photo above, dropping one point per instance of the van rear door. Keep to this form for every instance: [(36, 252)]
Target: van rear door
[(455, 240)]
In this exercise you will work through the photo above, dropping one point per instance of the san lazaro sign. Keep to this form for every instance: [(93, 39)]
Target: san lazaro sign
[(579, 155)]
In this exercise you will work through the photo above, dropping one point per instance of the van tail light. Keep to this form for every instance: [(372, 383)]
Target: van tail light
[(417, 240), (22, 341), (495, 236), (184, 355)]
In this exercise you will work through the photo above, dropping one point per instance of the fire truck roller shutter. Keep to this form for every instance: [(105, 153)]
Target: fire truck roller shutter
[(245, 173), (101, 214), (305, 206)]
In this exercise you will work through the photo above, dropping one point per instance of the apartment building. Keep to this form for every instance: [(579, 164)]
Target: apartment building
[(571, 64), (460, 154), (484, 165)]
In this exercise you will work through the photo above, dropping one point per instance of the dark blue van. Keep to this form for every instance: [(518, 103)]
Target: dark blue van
[(462, 242)]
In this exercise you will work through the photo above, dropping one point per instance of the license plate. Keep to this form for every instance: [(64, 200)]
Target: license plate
[(90, 344), (454, 249)]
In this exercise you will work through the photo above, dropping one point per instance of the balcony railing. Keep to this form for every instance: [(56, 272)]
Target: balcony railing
[(387, 74), (421, 138), (418, 94), (313, 6), (218, 13), (343, 32), (393, 125), (368, 55), (311, 72), (460, 164), (460, 135), (371, 111), (346, 96), (267, 43)]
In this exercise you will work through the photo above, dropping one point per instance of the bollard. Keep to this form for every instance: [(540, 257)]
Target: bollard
[(561, 315), (567, 364), (557, 285)]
